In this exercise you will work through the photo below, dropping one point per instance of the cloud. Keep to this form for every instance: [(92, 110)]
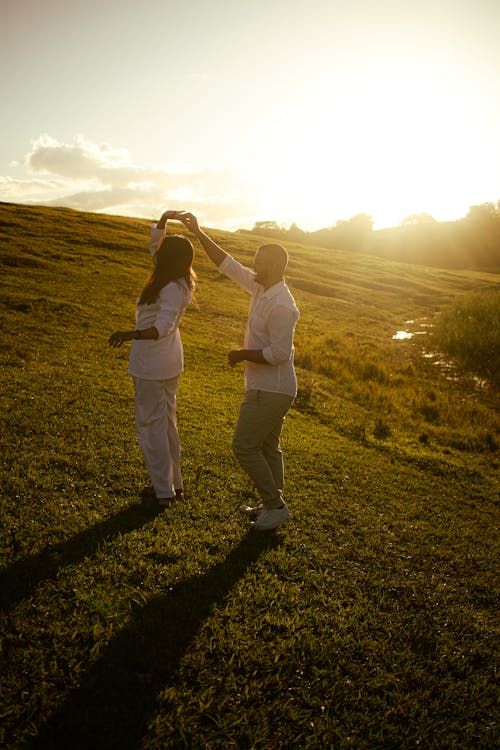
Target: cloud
[(96, 200), (99, 177), (81, 159), (13, 188)]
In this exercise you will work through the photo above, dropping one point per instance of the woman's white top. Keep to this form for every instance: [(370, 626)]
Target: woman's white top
[(162, 358)]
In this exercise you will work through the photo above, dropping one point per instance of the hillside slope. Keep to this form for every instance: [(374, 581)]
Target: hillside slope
[(367, 622)]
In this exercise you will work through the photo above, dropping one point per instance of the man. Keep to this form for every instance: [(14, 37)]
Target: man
[(270, 382)]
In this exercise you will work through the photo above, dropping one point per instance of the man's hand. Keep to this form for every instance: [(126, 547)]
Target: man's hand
[(234, 357), (189, 220), (118, 337), (216, 254)]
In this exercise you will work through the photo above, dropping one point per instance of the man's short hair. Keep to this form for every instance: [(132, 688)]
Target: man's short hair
[(276, 254)]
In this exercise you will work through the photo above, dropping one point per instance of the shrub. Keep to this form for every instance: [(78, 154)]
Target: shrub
[(469, 330), (304, 401), (430, 412), (382, 430), (373, 372)]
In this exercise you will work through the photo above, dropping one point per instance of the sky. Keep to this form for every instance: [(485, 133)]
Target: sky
[(252, 110)]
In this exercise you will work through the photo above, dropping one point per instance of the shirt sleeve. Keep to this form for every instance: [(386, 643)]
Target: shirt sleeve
[(281, 326), (156, 237), (172, 301), (242, 275)]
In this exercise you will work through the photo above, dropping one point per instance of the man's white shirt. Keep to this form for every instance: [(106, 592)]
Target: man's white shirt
[(271, 324)]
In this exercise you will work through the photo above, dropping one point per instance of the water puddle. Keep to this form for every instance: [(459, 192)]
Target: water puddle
[(402, 335), (405, 335), (447, 368)]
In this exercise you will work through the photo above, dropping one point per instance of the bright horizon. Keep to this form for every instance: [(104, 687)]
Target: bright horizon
[(250, 111)]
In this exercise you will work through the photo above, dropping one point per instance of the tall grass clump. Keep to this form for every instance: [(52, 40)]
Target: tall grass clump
[(469, 330)]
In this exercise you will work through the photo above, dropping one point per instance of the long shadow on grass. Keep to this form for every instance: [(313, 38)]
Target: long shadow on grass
[(18, 580), (118, 697)]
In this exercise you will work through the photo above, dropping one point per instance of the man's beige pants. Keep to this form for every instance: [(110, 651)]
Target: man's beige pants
[(256, 442)]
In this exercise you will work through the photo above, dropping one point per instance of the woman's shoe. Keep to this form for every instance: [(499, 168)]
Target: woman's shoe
[(166, 502)]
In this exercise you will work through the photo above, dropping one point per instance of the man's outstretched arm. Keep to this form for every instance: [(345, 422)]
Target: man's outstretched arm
[(216, 254)]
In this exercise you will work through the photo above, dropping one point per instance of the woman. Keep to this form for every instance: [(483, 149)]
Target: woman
[(156, 357)]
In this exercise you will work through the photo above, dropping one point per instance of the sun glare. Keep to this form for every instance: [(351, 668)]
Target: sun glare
[(392, 144)]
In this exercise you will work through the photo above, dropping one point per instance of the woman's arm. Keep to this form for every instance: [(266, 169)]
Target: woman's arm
[(117, 338), (158, 230), (246, 355), (165, 217)]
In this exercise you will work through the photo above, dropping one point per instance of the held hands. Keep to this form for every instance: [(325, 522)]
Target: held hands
[(117, 338), (187, 218), (166, 215)]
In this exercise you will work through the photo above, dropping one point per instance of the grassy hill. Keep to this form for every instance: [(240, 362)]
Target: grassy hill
[(367, 622)]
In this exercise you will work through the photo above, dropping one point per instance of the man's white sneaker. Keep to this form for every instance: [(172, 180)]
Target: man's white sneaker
[(271, 519), (252, 512)]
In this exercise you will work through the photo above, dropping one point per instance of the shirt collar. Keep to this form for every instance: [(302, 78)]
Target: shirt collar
[(274, 290)]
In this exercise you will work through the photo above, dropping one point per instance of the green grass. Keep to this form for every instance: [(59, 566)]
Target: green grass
[(369, 621)]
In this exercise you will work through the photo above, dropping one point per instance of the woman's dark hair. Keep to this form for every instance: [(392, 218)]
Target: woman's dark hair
[(173, 260)]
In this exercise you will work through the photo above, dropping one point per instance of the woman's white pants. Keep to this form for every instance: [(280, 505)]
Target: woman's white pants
[(156, 430)]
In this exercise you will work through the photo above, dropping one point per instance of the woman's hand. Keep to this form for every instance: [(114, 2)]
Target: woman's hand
[(118, 337), (166, 215)]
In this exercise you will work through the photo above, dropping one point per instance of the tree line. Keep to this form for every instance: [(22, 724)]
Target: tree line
[(472, 242)]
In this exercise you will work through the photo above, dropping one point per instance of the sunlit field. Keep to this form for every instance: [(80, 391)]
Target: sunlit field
[(368, 621)]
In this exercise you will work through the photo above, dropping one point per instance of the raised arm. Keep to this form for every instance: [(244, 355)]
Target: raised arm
[(158, 230), (216, 254), (165, 216), (119, 337)]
